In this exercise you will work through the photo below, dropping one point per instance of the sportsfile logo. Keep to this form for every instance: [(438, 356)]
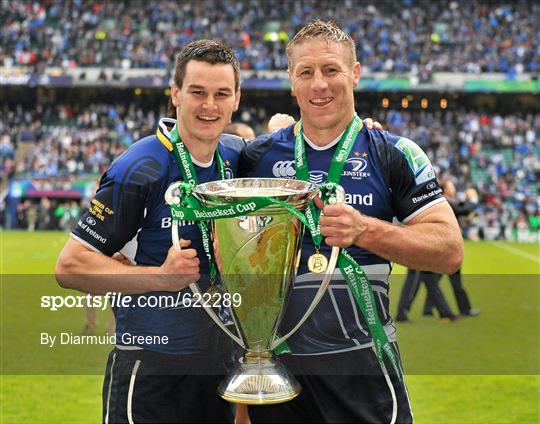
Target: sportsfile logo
[(284, 169)]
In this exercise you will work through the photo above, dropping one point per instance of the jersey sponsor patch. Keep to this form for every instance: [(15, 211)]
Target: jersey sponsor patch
[(426, 196), (359, 199), (417, 160), (355, 167), (92, 232)]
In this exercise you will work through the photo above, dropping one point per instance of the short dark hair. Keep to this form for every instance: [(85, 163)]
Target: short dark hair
[(209, 51)]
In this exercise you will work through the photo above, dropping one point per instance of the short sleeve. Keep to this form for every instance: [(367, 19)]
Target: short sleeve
[(412, 180), (117, 210)]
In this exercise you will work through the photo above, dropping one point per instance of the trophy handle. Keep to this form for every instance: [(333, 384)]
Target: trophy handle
[(172, 199), (340, 198)]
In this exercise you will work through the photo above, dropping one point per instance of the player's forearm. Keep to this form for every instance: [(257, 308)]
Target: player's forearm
[(95, 273), (433, 246)]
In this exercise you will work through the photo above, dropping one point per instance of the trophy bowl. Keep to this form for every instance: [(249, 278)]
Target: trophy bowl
[(258, 256)]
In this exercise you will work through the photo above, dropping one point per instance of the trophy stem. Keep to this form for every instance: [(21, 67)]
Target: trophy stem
[(259, 379)]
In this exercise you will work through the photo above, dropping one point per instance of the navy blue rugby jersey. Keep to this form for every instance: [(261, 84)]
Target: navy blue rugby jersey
[(129, 214), (385, 176)]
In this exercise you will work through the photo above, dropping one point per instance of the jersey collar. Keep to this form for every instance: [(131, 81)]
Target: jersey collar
[(328, 146), (163, 133)]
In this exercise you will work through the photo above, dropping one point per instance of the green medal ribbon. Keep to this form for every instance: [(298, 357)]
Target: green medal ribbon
[(353, 273), (185, 163), (189, 208)]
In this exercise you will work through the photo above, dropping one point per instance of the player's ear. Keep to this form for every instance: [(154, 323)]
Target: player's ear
[(237, 100), (356, 73), (289, 71), (175, 95)]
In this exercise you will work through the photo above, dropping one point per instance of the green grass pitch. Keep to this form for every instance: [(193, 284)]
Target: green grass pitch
[(476, 370)]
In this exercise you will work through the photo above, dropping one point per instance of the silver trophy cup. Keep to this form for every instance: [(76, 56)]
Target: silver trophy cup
[(258, 255)]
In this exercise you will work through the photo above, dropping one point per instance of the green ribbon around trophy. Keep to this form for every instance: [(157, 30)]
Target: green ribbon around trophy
[(189, 208)]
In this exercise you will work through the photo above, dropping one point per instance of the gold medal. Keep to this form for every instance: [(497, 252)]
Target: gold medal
[(317, 263)]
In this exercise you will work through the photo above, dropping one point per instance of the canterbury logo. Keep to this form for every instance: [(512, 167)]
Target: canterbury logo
[(284, 169)]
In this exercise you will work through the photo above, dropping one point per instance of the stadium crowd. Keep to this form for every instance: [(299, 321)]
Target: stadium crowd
[(401, 36), (493, 160)]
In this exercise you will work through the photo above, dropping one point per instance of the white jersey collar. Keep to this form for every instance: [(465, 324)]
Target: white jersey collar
[(321, 148)]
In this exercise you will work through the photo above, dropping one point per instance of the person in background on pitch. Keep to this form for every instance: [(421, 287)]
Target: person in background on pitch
[(171, 371), (344, 377), (461, 209), (435, 297), (410, 288)]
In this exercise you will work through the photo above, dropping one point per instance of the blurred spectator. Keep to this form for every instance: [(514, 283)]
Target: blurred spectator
[(491, 159), (399, 36), (241, 130)]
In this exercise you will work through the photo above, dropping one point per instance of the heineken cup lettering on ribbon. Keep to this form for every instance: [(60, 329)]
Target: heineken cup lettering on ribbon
[(258, 235), (182, 153), (178, 214)]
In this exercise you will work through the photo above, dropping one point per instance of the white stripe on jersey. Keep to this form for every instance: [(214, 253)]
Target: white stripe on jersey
[(423, 208), (376, 272), (340, 319)]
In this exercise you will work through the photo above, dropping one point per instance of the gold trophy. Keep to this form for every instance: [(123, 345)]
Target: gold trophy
[(259, 254)]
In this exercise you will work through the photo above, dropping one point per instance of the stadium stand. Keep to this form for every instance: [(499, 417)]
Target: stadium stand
[(58, 135), (394, 35), (489, 154)]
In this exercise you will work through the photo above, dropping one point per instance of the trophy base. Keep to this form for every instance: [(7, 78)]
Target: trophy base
[(259, 379)]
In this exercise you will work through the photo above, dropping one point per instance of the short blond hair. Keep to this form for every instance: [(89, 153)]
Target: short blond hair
[(329, 31)]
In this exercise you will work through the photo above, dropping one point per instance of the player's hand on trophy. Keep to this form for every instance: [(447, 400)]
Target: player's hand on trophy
[(181, 268), (372, 125), (341, 224)]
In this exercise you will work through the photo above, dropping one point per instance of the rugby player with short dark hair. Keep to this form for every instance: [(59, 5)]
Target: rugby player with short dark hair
[(168, 361)]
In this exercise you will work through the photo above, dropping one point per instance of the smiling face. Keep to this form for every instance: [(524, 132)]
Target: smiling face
[(205, 102), (323, 76)]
